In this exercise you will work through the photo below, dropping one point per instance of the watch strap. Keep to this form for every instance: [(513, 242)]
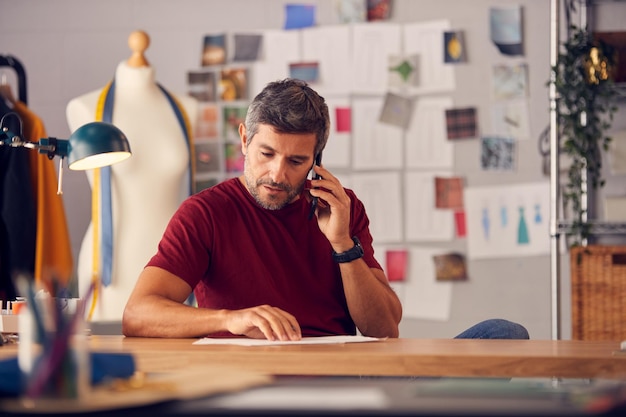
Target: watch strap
[(350, 255)]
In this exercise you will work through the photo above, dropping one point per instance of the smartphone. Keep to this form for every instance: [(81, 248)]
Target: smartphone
[(318, 162)]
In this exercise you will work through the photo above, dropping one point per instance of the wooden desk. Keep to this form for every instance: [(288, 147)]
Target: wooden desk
[(392, 357)]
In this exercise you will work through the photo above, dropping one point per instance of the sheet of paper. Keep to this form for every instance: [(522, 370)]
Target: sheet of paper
[(426, 41), (427, 144), (375, 145), (337, 151), (321, 340), (329, 46), (424, 296), (306, 399), (510, 119), (617, 154), (380, 193), (423, 220), (279, 48), (508, 221), (372, 44)]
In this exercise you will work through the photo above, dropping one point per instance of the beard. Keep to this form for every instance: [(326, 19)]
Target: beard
[(270, 202)]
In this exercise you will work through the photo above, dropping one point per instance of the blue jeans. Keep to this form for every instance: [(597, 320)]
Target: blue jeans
[(495, 329)]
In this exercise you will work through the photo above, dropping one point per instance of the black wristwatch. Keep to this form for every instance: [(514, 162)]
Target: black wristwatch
[(351, 254)]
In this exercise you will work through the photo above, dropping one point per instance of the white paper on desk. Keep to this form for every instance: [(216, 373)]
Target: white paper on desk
[(320, 340)]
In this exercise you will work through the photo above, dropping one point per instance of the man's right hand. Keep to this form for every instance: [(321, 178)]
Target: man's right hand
[(263, 322)]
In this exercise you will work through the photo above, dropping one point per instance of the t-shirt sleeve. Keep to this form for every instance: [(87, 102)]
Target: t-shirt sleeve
[(359, 227), (182, 250)]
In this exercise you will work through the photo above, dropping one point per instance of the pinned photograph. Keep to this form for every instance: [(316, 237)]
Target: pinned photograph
[(202, 85), (206, 125), (461, 123), (207, 156), (214, 50), (403, 70), (247, 47), (505, 25), (454, 47), (450, 267), (397, 261), (510, 81), (232, 116), (449, 193), (497, 154), (397, 110), (305, 71), (233, 84)]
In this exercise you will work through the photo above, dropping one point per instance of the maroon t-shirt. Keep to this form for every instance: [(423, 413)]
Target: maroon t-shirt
[(236, 254)]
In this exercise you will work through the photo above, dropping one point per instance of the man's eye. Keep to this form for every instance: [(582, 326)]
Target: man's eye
[(296, 162), (266, 154)]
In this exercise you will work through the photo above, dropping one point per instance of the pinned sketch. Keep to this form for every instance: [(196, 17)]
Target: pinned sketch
[(214, 50), (508, 221), (450, 267), (505, 26), (497, 154), (510, 119), (403, 71), (396, 264), (510, 81), (397, 110), (454, 47), (461, 123), (247, 47)]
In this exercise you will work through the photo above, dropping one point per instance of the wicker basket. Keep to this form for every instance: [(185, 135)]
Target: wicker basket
[(598, 292)]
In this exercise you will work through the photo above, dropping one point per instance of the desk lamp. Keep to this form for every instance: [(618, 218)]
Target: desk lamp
[(92, 145)]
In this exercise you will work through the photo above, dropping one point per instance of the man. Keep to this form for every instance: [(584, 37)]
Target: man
[(257, 263)]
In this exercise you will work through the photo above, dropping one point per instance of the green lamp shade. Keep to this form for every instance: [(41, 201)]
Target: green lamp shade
[(95, 145)]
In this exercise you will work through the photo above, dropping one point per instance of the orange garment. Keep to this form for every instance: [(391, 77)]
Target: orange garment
[(53, 251)]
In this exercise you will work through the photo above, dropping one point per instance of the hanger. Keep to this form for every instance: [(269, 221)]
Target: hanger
[(14, 63)]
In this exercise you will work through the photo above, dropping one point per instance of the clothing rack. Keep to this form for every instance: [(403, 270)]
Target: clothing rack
[(14, 63)]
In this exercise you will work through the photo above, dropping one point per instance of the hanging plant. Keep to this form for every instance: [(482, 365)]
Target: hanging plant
[(585, 107)]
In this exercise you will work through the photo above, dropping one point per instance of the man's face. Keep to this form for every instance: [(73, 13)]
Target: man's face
[(276, 165)]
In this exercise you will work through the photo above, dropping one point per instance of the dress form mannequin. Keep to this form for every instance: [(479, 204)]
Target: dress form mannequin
[(147, 188)]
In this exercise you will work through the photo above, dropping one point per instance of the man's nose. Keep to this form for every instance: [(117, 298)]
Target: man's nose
[(278, 171)]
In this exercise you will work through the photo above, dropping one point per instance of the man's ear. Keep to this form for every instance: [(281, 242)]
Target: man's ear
[(244, 138)]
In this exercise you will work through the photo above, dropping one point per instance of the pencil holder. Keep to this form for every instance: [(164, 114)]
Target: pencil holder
[(52, 352)]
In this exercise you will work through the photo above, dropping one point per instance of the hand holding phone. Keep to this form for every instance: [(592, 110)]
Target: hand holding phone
[(318, 162)]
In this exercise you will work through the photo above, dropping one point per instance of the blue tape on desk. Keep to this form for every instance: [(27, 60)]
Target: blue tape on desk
[(103, 366)]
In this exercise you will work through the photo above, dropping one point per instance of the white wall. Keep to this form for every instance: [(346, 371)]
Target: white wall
[(70, 47)]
